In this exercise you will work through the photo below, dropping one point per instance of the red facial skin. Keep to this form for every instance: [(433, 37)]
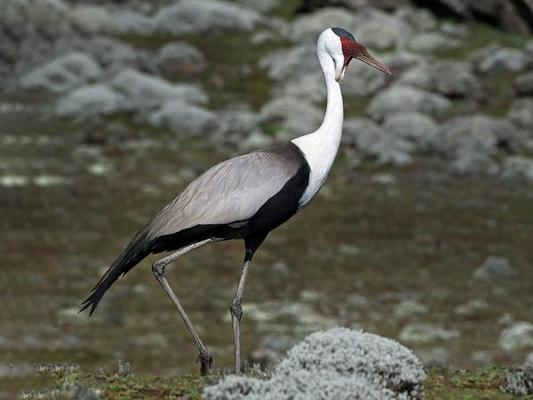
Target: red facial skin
[(351, 49)]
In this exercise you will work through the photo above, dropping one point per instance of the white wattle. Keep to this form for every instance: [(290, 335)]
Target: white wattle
[(321, 146)]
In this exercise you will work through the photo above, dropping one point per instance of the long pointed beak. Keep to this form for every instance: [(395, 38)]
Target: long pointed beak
[(369, 59)]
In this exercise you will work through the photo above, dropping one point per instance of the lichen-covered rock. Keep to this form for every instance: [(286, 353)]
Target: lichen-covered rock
[(89, 101), (494, 267), (519, 382), (432, 41), (189, 16), (286, 64), (184, 119), (181, 58), (287, 112), (521, 114), (146, 91), (524, 84), (64, 73), (518, 336), (449, 78), (518, 167), (427, 333), (406, 99), (307, 27), (336, 364), (348, 353), (497, 59), (418, 129)]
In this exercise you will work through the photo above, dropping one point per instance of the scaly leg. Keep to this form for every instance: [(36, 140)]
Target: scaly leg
[(236, 315), (158, 268)]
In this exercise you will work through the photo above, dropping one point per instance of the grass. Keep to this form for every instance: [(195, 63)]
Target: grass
[(441, 384)]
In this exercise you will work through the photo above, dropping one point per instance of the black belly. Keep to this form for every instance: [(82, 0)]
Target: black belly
[(278, 209)]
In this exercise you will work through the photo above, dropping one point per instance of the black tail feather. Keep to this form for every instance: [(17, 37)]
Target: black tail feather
[(137, 250)]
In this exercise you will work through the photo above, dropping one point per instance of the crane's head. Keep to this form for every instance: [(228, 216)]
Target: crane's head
[(343, 48)]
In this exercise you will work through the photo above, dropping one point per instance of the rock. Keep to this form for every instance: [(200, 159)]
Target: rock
[(494, 267), (90, 101), (435, 357), (473, 308), (184, 119), (307, 27), (450, 78), (519, 336), (401, 61), (189, 16), (478, 134), (287, 112), (409, 308), (419, 19), (362, 80), (524, 84), (427, 333), (261, 5), (100, 19), (180, 58), (272, 349), (235, 125), (432, 41), (372, 141), (518, 167), (472, 163), (145, 91), (360, 131), (64, 73), (381, 31), (416, 128), (519, 382), (337, 363), (521, 114), (499, 59), (286, 64), (406, 99)]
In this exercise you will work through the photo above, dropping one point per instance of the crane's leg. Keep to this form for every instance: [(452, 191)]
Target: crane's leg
[(158, 268), (236, 315)]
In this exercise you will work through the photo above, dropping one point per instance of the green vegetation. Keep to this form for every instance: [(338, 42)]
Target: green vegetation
[(441, 384)]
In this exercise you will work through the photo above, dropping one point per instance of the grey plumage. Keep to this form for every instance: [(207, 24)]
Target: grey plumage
[(230, 192)]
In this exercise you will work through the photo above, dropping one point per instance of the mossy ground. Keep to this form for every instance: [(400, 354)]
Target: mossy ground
[(441, 384)]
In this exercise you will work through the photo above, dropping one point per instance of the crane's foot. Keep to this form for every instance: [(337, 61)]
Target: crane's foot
[(206, 362)]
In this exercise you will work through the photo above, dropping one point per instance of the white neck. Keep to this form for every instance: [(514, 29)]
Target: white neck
[(321, 146)]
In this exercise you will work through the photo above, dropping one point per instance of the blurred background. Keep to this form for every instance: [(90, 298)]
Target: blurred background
[(422, 232)]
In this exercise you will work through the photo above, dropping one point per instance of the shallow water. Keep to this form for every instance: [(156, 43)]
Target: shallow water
[(373, 238)]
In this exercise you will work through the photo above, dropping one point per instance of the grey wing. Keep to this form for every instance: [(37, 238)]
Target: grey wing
[(231, 191)]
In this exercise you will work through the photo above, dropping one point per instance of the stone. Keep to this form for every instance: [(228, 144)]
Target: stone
[(63, 73), (334, 364), (287, 112), (416, 128), (272, 349), (521, 115), (180, 58), (286, 64), (90, 101), (479, 134), (499, 59), (494, 267), (518, 336), (189, 16), (409, 309), (419, 19), (520, 381), (472, 309), (406, 99), (145, 91), (518, 167), (422, 333), (362, 80), (307, 27), (523, 84), (432, 41), (184, 119)]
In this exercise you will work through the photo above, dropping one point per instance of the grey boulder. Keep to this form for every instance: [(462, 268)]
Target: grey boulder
[(63, 73), (189, 16), (90, 101), (406, 99)]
